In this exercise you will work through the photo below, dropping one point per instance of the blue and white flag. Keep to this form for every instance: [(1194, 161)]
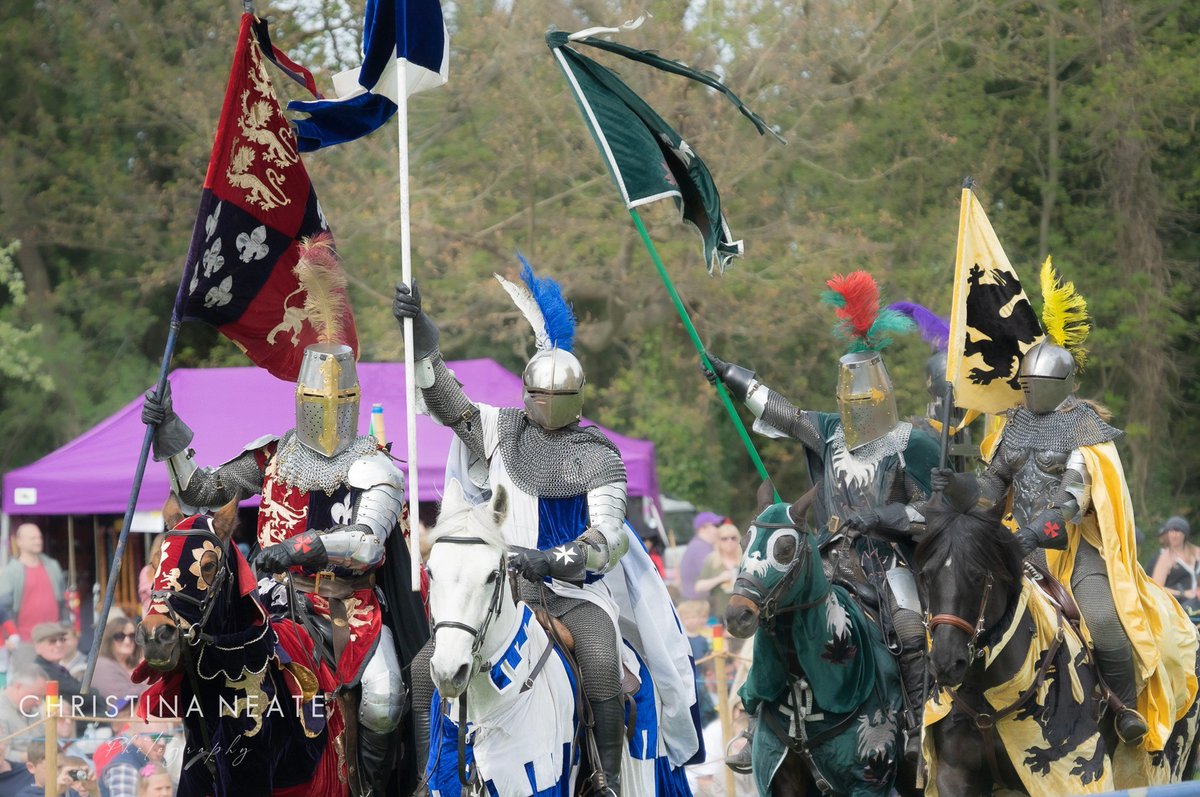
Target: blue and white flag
[(397, 34)]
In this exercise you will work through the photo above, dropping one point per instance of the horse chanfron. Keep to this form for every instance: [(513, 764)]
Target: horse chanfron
[(191, 571)]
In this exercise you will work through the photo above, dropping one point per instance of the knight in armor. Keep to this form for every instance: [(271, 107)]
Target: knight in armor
[(935, 330), (566, 487), (330, 500), (873, 469), (1056, 462)]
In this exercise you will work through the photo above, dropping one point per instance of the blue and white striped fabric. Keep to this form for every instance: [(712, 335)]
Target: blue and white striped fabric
[(399, 36), (647, 771), (521, 742)]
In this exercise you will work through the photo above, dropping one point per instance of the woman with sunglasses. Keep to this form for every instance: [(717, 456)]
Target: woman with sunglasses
[(119, 654), (720, 569)]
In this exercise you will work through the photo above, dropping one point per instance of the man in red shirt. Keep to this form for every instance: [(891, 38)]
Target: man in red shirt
[(31, 585)]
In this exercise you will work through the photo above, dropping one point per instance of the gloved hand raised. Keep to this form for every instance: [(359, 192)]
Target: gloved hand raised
[(940, 479), (407, 304), (736, 378), (171, 435)]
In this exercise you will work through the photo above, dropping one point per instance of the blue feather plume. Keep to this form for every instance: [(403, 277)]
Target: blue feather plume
[(934, 329), (560, 319)]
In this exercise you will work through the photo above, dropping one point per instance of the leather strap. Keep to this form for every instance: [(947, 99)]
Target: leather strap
[(337, 589), (986, 722), (330, 586)]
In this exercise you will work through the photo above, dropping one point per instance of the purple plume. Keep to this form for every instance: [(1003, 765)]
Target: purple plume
[(934, 329)]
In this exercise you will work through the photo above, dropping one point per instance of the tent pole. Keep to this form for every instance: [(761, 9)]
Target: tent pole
[(118, 554), (74, 581), (4, 521)]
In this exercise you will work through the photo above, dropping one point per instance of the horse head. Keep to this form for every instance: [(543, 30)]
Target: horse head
[(194, 575), (773, 572), (467, 580), (969, 567)]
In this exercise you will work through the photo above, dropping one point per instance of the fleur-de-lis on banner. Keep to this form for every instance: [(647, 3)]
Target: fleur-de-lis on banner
[(253, 246), (210, 224), (220, 295), (213, 259)]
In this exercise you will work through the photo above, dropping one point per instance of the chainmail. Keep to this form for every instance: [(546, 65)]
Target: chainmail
[(594, 635), (783, 415), (557, 464), (1063, 430), (448, 405), (1093, 594), (894, 442), (210, 487), (299, 466)]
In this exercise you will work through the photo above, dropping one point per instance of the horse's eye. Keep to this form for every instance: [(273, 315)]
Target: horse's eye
[(783, 549), (491, 579)]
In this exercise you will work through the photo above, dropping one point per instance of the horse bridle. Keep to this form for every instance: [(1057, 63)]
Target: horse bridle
[(478, 635), (768, 606), (205, 605), (973, 631)]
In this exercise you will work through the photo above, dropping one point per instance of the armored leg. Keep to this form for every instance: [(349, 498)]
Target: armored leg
[(1110, 645), (422, 695), (600, 668), (378, 715), (905, 607)]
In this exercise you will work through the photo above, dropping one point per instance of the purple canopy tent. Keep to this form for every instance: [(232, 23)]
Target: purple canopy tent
[(229, 407)]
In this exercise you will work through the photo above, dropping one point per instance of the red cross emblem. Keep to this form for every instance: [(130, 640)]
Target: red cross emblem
[(1051, 529)]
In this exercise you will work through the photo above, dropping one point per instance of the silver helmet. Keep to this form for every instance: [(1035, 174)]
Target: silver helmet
[(553, 394), (936, 384), (865, 398), (327, 395), (1047, 376)]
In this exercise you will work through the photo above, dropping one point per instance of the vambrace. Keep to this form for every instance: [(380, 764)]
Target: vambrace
[(382, 687), (781, 414), (994, 481), (353, 547), (211, 487), (605, 538), (1075, 492), (448, 404)]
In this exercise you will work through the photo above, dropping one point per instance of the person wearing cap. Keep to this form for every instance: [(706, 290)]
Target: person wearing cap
[(1178, 565), (703, 542), (50, 645)]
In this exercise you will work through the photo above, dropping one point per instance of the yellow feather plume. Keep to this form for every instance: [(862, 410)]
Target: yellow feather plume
[(320, 274), (1064, 313)]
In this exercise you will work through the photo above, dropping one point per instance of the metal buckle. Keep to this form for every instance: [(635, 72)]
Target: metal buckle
[(317, 579)]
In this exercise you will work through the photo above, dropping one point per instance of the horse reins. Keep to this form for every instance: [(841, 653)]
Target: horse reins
[(974, 631), (985, 721)]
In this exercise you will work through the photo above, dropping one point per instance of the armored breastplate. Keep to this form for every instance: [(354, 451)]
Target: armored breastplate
[(1037, 476)]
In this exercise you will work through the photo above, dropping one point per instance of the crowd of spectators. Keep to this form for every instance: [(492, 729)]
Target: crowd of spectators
[(118, 756)]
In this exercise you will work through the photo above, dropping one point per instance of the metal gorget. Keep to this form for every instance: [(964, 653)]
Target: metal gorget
[(299, 466)]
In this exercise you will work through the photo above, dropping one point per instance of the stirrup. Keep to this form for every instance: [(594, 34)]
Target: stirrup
[(735, 761), (1138, 722)]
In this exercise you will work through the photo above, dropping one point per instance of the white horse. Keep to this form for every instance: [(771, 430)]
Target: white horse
[(507, 721)]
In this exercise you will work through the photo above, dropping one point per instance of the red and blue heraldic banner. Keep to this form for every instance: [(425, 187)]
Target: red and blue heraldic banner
[(257, 205)]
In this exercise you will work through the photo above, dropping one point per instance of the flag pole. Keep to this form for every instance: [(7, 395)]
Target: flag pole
[(410, 384), (110, 588), (691, 330)]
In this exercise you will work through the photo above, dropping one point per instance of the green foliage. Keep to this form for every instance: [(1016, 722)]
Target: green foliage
[(20, 363)]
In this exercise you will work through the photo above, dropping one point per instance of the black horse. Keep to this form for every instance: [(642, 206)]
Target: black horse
[(1010, 665), (256, 723)]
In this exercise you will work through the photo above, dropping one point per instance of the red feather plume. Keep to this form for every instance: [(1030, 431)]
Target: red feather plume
[(861, 296)]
